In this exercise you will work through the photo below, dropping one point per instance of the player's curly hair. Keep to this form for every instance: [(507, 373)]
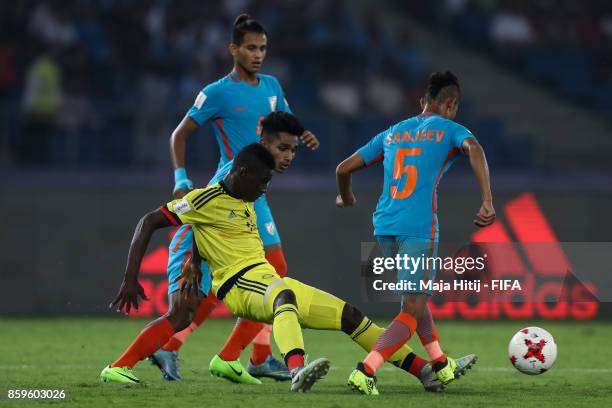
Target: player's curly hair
[(245, 24), (280, 121), (254, 156), (437, 83)]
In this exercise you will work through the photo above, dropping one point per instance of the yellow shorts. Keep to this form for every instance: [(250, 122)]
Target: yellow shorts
[(252, 297)]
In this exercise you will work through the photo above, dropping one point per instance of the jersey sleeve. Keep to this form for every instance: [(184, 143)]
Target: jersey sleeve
[(460, 133), (206, 105), (182, 211), (373, 151), (282, 104)]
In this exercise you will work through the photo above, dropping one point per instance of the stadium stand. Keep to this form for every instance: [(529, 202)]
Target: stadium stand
[(102, 84)]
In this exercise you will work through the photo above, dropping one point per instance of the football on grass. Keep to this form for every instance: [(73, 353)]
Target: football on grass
[(532, 350)]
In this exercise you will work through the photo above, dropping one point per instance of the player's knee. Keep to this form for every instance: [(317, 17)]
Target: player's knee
[(351, 318), (180, 317), (286, 297), (179, 322)]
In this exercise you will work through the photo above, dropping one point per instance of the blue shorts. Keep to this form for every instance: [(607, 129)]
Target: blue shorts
[(419, 249), (182, 244), (179, 248)]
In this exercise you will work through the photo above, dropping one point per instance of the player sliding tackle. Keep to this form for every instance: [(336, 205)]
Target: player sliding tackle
[(225, 230), (415, 153), (280, 134)]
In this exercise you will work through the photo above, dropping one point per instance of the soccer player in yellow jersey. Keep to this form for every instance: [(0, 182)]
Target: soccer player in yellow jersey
[(226, 236)]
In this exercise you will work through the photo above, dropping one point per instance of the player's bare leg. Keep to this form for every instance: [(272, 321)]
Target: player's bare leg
[(159, 331), (365, 333), (177, 341), (166, 358), (397, 334), (416, 305), (428, 334)]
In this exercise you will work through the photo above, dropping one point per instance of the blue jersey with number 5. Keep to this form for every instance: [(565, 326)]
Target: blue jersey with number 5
[(415, 153), (236, 110)]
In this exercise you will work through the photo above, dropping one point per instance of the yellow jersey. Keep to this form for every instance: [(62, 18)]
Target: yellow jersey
[(224, 227)]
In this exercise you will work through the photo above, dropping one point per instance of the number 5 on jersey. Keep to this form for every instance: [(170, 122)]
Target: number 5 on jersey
[(399, 169)]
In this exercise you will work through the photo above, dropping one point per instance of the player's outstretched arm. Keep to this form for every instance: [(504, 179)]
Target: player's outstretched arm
[(345, 197), (130, 289), (478, 161), (178, 143)]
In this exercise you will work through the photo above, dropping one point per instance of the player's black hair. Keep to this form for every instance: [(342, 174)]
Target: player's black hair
[(441, 85), (254, 157), (245, 24), (279, 121)]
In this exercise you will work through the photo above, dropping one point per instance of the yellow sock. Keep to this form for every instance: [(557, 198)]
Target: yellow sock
[(286, 329), (366, 335)]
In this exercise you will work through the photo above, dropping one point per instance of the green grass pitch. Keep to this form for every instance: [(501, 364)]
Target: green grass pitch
[(69, 354)]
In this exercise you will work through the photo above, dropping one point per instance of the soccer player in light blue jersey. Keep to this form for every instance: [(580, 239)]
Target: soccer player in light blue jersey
[(234, 105), (415, 154)]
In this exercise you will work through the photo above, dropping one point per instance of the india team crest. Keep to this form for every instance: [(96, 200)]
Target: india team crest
[(200, 100), (270, 228), (272, 100)]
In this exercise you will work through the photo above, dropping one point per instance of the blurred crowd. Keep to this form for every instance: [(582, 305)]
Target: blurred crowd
[(562, 44), (90, 83), (95, 83)]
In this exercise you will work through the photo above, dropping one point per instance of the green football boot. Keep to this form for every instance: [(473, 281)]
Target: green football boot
[(360, 381), (231, 370), (446, 374), (118, 374)]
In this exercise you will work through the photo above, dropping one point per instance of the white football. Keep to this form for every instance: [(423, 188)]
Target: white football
[(532, 350)]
